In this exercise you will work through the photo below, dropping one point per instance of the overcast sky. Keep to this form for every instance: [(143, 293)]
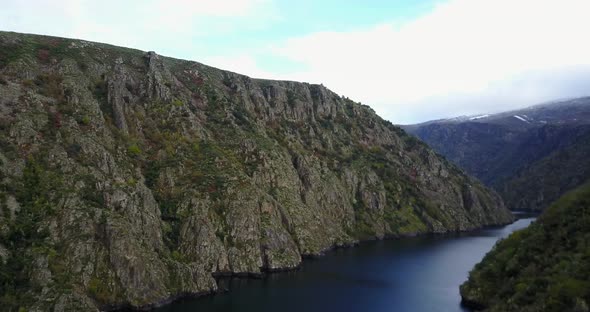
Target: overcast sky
[(410, 60)]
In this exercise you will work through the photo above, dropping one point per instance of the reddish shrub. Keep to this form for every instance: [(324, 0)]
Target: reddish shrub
[(57, 117), (43, 55)]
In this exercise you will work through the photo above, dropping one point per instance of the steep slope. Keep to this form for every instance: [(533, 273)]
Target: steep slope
[(542, 182), (545, 267), (128, 178), (506, 150), (475, 147)]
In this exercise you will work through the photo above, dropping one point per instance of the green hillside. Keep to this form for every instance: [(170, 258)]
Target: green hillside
[(545, 267)]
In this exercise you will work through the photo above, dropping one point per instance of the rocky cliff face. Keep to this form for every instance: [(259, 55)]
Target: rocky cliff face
[(128, 178), (531, 156)]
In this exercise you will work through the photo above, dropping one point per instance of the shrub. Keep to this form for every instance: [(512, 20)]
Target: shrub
[(177, 103), (84, 121), (51, 86), (43, 56), (27, 83), (98, 290), (134, 150)]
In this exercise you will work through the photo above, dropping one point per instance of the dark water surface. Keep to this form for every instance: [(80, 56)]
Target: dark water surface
[(409, 274)]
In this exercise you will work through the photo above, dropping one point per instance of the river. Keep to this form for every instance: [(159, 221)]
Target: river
[(410, 274)]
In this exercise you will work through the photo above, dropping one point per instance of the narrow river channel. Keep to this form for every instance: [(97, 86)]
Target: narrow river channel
[(412, 274)]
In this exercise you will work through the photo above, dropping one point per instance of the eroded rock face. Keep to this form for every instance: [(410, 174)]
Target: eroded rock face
[(128, 178)]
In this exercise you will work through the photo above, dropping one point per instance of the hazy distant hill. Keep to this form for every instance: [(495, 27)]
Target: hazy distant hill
[(530, 156)]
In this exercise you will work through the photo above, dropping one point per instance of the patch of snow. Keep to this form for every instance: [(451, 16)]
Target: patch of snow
[(520, 118), (479, 117), (459, 118)]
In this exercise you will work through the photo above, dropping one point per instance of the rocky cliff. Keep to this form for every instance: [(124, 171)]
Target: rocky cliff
[(128, 178), (530, 157), (545, 267)]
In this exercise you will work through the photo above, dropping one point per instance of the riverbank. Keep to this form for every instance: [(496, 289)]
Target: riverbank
[(412, 274)]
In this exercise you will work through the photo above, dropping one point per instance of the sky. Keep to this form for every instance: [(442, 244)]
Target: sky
[(410, 60)]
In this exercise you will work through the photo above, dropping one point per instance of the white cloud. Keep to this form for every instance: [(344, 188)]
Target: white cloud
[(463, 57), (469, 51), (144, 24), (241, 64), (218, 8)]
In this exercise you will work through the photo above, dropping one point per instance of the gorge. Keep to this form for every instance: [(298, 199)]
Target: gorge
[(128, 179)]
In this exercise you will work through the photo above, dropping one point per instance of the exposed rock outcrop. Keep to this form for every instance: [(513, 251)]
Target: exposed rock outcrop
[(129, 178)]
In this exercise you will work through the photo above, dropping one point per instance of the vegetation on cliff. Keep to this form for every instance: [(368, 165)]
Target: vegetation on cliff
[(127, 178), (541, 182), (545, 267)]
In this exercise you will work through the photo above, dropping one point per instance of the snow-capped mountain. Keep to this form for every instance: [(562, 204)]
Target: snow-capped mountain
[(530, 156)]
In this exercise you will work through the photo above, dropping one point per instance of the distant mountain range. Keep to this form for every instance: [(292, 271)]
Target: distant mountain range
[(530, 156)]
